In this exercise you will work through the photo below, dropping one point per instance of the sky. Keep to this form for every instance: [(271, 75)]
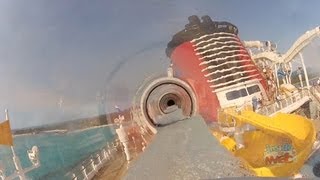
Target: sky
[(57, 56)]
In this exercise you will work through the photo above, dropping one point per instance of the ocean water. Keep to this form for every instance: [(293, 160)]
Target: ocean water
[(58, 152)]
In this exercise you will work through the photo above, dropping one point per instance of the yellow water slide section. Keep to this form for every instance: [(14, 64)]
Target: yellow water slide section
[(279, 145)]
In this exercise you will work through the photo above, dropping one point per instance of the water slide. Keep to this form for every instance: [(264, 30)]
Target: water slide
[(277, 146), (298, 46)]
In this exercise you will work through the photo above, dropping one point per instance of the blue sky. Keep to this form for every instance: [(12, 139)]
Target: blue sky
[(71, 50)]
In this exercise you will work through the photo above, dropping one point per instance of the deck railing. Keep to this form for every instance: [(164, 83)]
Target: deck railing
[(112, 153), (283, 103), (315, 91), (227, 123), (88, 168)]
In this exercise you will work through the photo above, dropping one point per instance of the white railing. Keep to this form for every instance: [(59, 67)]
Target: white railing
[(113, 152), (297, 47), (315, 91), (90, 167), (283, 103)]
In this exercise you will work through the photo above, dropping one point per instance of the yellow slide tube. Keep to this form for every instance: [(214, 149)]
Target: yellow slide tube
[(279, 146)]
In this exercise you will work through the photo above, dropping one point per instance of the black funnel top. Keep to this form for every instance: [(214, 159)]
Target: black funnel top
[(197, 28)]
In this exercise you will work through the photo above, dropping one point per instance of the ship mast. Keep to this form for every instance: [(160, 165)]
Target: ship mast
[(33, 155)]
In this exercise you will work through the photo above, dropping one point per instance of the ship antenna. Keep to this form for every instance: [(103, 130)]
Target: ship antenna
[(7, 115)]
